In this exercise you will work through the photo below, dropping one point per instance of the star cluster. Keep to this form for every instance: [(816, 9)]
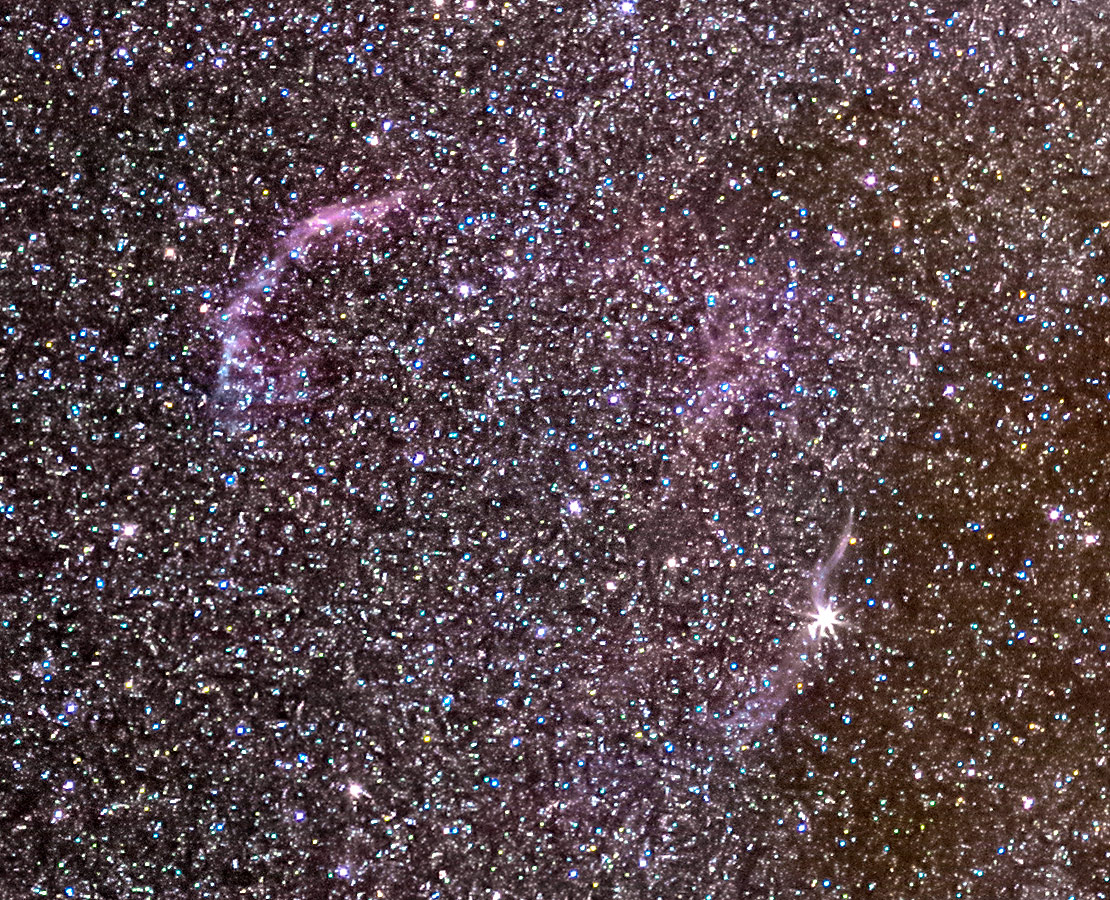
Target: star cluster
[(626, 449)]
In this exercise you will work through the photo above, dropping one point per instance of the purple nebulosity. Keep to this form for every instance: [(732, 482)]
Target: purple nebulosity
[(793, 654), (819, 594), (486, 536), (270, 359)]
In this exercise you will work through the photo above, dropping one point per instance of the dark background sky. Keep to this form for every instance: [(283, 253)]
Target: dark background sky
[(450, 578)]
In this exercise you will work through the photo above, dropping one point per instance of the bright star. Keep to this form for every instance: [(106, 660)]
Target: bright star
[(823, 622)]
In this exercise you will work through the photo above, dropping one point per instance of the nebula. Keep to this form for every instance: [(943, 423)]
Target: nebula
[(275, 351), (788, 676)]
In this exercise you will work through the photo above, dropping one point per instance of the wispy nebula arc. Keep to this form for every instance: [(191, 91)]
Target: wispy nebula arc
[(767, 694), (243, 378), (820, 583)]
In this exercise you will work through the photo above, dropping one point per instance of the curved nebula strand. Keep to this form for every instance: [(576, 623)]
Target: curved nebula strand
[(248, 376), (765, 697), (824, 612)]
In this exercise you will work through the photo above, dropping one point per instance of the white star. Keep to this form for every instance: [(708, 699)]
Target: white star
[(823, 622)]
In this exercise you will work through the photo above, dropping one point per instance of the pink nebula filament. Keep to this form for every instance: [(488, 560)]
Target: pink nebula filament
[(241, 373)]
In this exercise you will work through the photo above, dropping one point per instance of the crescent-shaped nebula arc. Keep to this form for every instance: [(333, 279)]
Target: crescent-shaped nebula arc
[(760, 703), (261, 365), (824, 616), (745, 364)]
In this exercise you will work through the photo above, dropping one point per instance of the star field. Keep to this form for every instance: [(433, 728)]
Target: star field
[(615, 449)]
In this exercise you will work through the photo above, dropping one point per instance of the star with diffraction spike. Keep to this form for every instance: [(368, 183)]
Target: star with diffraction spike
[(823, 622)]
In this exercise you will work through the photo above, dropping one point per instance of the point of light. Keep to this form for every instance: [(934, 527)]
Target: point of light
[(824, 622)]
